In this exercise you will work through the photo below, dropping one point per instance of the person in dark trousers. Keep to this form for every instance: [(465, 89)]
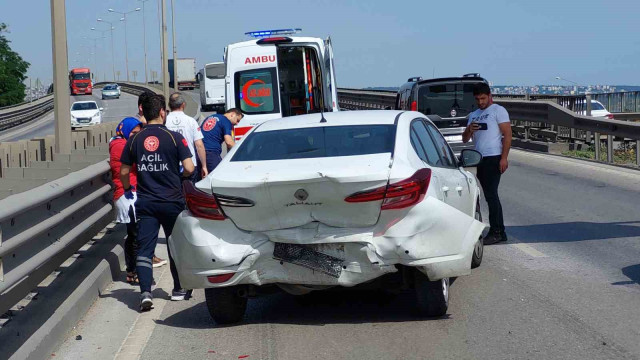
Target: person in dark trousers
[(125, 211), (218, 129), (157, 154), (493, 141)]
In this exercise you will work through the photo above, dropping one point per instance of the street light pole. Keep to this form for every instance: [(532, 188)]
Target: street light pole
[(126, 51), (113, 56), (144, 40), (62, 103), (175, 50), (165, 45)]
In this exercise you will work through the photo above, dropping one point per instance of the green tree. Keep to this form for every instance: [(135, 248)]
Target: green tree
[(13, 70)]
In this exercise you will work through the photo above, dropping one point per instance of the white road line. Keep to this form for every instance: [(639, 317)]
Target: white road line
[(528, 250)]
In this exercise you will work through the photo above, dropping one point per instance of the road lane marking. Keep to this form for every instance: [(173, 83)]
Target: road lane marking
[(528, 250)]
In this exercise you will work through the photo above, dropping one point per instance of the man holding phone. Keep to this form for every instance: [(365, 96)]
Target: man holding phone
[(490, 128)]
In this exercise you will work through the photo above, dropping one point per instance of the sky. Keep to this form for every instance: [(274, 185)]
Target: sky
[(376, 42)]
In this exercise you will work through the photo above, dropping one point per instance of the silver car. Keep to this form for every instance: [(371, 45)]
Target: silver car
[(110, 91)]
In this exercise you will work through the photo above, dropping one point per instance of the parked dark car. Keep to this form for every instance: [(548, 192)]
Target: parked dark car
[(447, 101)]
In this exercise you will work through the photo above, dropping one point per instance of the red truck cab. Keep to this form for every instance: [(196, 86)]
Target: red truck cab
[(80, 81)]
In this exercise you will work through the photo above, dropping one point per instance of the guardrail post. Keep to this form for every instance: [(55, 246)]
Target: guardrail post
[(596, 141), (609, 148), (638, 152), (588, 113)]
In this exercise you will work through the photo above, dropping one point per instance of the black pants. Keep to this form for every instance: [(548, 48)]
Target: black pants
[(213, 159), (489, 177), (131, 243), (151, 215)]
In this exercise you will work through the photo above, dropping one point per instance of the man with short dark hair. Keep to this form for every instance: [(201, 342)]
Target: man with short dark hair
[(157, 153), (493, 141), (218, 129), (141, 99), (188, 127)]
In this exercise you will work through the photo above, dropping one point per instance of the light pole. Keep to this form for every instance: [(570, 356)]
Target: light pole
[(124, 18), (144, 40), (165, 45), (61, 101), (95, 51), (113, 56), (175, 50), (567, 80)]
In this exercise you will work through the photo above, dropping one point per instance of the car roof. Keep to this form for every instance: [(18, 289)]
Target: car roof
[(84, 102), (340, 118)]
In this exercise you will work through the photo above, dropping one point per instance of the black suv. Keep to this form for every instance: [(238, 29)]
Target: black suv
[(447, 101)]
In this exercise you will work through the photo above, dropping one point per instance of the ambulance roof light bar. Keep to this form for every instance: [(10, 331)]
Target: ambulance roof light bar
[(268, 33)]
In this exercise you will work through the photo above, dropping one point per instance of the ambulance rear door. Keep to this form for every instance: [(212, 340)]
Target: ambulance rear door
[(252, 72), (330, 76)]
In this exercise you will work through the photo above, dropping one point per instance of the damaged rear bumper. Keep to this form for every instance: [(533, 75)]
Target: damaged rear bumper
[(438, 242)]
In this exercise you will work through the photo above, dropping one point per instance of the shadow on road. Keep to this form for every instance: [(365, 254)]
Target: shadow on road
[(131, 296), (315, 309), (633, 273), (574, 231)]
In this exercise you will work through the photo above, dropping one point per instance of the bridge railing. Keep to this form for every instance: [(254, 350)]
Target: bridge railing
[(531, 119), (19, 114), (42, 228)]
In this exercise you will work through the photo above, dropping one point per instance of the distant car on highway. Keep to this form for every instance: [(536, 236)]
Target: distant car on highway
[(451, 99), (111, 91), (599, 110), (311, 202), (85, 113)]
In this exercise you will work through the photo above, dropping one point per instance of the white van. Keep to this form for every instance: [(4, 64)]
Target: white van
[(211, 79), (277, 76)]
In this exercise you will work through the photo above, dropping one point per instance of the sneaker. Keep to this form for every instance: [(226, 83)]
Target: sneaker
[(157, 262), (494, 237), (146, 301), (181, 294)]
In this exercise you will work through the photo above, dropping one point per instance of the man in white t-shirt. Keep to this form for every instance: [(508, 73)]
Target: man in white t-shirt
[(188, 127), (490, 128)]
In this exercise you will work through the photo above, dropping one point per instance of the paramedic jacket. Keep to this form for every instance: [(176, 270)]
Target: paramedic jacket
[(157, 154)]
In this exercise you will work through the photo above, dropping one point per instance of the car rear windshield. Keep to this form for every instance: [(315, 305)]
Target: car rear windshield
[(446, 99), (317, 142), (597, 106), (216, 71), (84, 106)]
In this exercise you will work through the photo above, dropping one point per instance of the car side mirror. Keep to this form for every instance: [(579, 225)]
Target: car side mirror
[(470, 158), (101, 109)]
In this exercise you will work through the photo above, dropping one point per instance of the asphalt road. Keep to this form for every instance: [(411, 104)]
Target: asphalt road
[(114, 111), (565, 286)]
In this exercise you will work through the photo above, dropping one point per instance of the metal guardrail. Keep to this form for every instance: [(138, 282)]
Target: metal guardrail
[(40, 229), (531, 118), (19, 114)]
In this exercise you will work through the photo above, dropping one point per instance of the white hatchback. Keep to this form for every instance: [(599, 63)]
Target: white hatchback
[(316, 201), (85, 113)]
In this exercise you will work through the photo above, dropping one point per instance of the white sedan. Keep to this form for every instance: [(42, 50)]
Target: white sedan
[(85, 113), (310, 202)]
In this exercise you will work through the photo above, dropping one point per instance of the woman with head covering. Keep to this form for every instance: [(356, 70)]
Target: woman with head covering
[(125, 209)]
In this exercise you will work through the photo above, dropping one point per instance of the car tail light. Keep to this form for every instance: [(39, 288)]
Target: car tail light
[(398, 195), (219, 279), (201, 204), (609, 116), (275, 40), (414, 106)]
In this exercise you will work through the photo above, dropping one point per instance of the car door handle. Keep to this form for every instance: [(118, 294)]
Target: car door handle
[(459, 188), (445, 189)]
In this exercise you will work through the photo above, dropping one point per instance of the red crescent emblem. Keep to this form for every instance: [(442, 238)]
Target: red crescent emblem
[(209, 124), (151, 143), (184, 142), (245, 90)]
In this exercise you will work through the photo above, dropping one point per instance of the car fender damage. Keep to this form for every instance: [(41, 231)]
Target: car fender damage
[(440, 244)]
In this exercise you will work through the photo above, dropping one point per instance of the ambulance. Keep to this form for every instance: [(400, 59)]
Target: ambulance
[(276, 75)]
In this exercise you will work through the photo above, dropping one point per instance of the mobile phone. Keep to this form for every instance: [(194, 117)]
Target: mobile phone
[(482, 126)]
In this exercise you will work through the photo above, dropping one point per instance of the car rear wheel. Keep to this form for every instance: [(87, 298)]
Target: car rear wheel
[(225, 304), (478, 250), (432, 296)]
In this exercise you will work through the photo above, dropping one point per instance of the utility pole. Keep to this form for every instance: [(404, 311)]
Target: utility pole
[(144, 40), (175, 50), (61, 101), (165, 45)]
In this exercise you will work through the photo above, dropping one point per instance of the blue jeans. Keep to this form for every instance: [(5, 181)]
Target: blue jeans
[(150, 216)]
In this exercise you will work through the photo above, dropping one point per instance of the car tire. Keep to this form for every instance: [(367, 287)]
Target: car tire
[(478, 250), (432, 297), (225, 305)]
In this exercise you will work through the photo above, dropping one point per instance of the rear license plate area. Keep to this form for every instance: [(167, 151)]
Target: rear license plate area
[(305, 256)]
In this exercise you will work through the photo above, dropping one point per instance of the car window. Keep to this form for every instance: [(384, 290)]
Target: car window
[(431, 153), (316, 142), (444, 151), (84, 106), (596, 106), (110, 87), (447, 99), (417, 146)]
